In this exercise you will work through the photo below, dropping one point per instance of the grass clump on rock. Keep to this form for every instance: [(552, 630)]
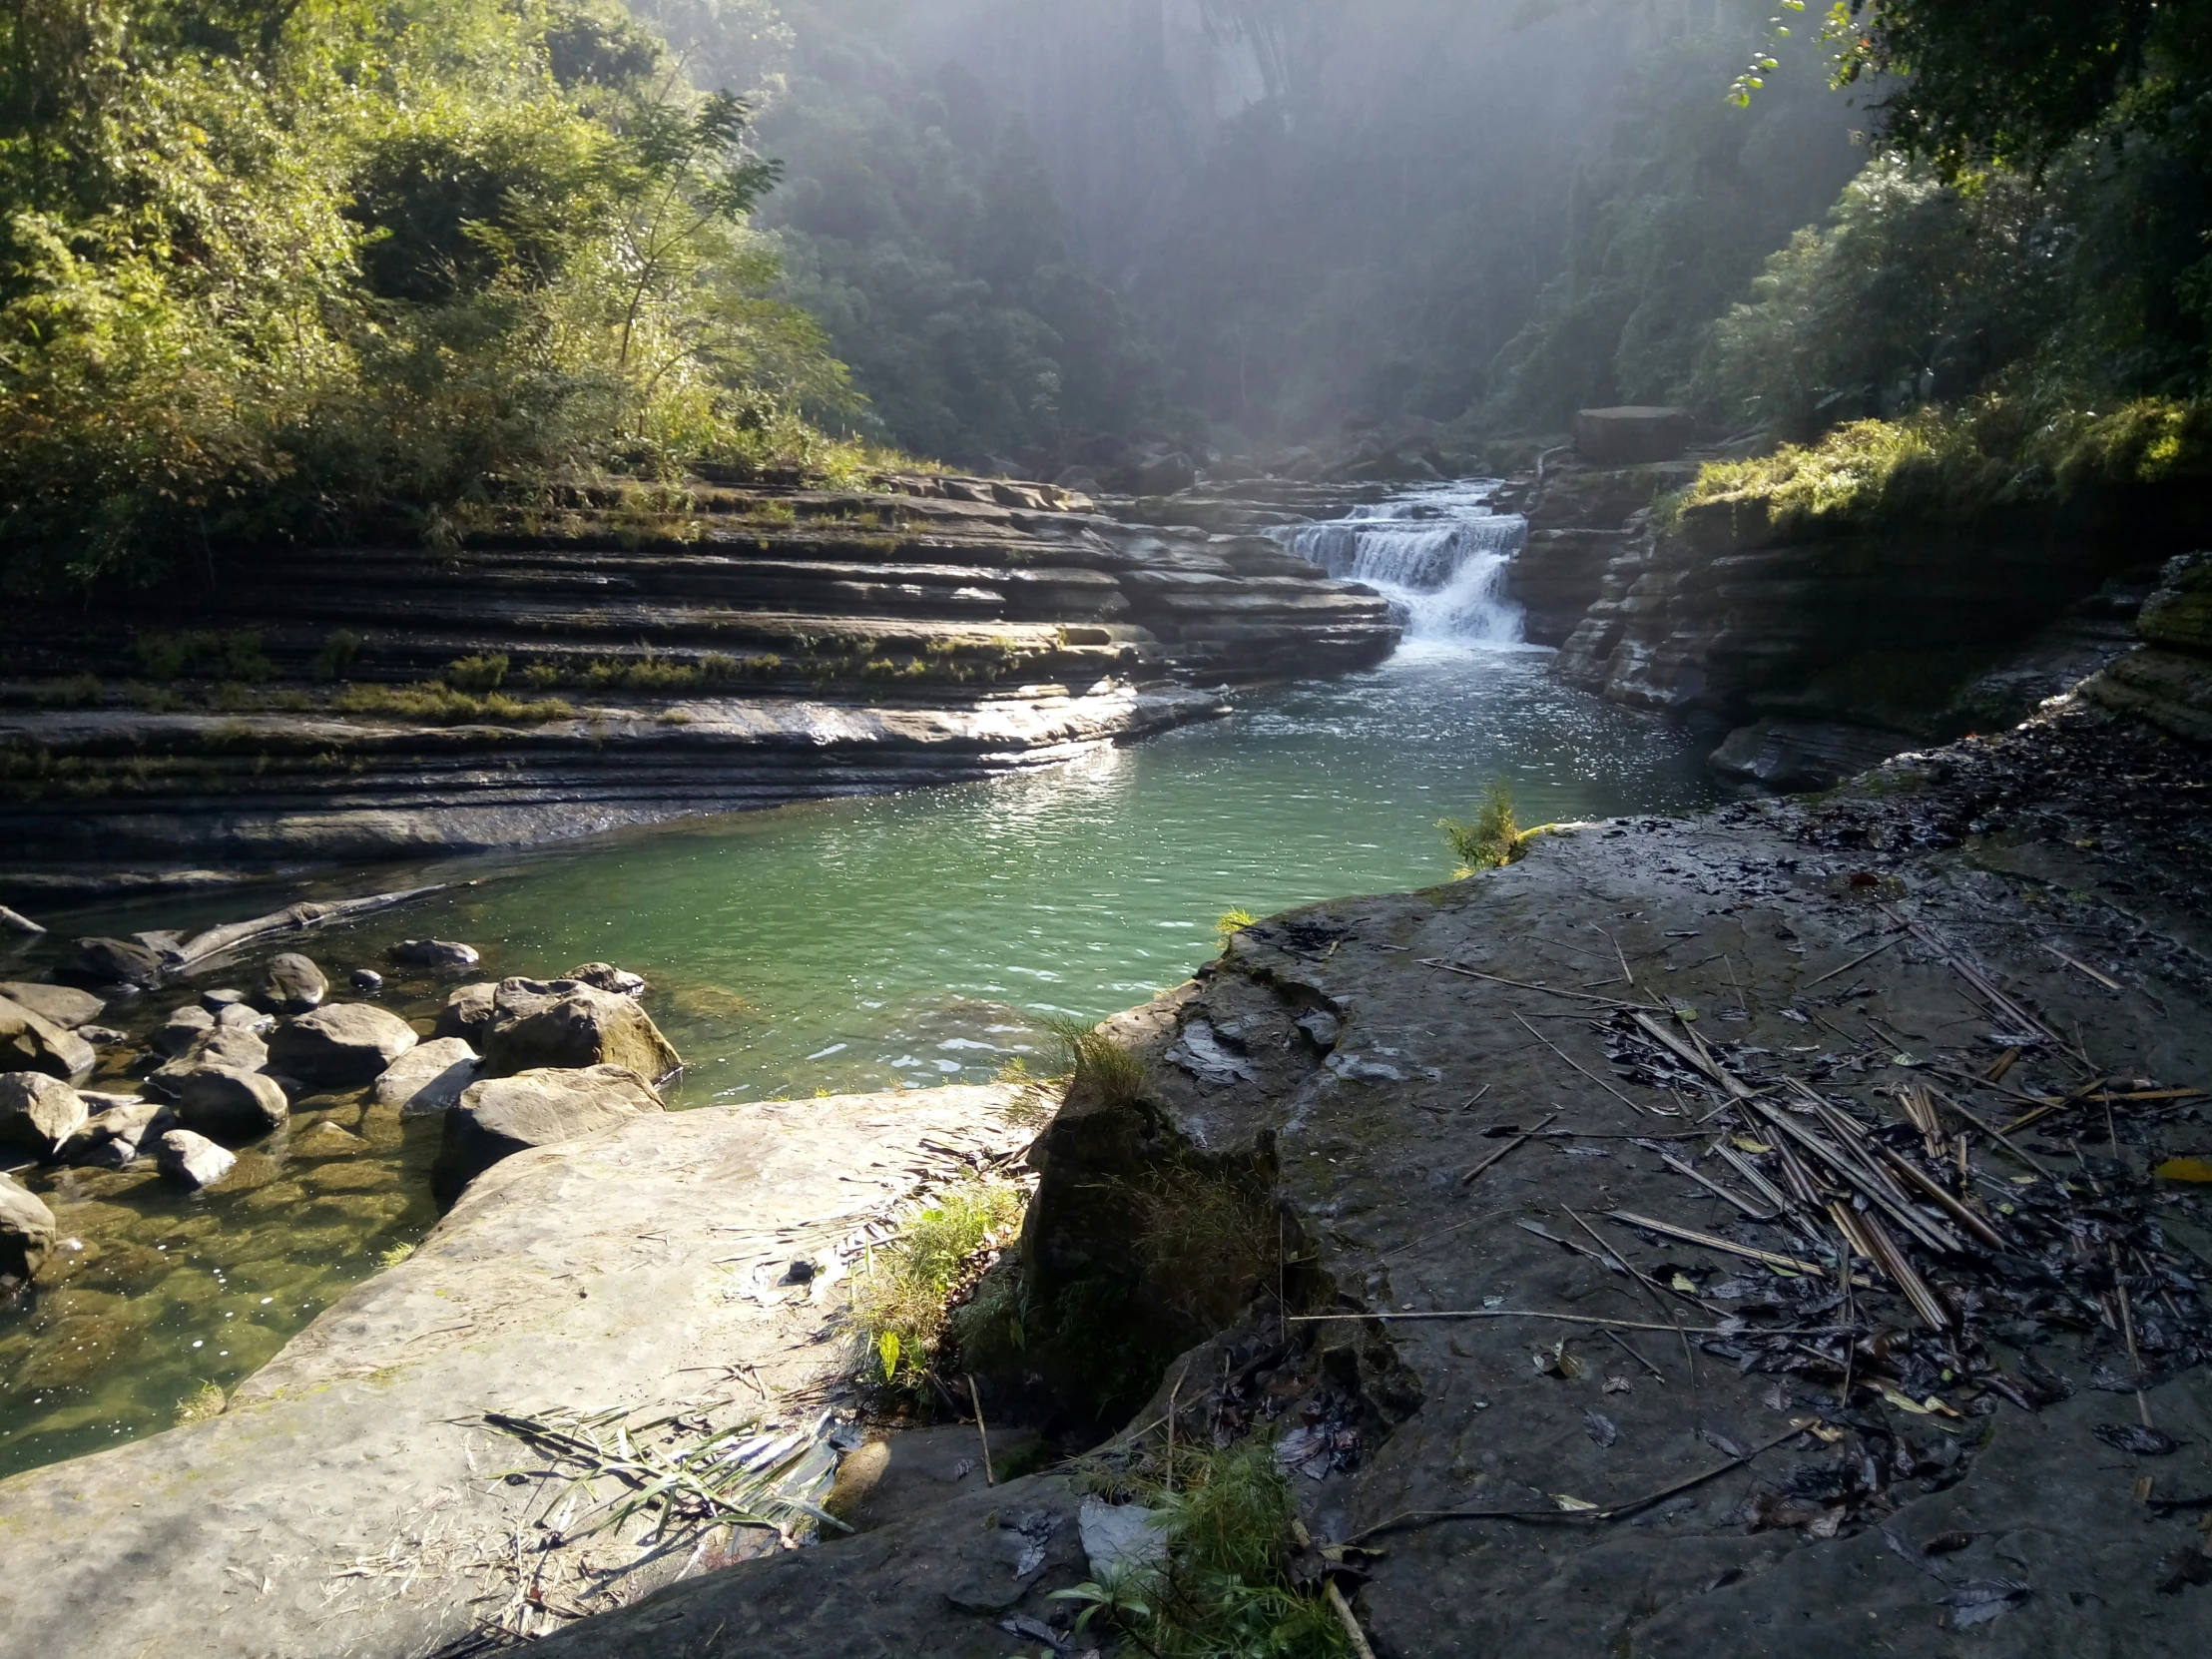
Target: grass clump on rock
[(1489, 839), (1099, 1065), (440, 705), (900, 1297), (1224, 1589)]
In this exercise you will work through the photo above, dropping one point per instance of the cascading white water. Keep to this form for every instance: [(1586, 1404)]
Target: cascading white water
[(1438, 553)]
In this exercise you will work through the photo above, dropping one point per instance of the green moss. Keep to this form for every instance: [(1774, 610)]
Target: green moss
[(439, 704)]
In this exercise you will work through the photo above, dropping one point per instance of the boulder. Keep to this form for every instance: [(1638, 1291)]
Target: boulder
[(182, 1027), (345, 1046), (62, 1005), (568, 1025), (467, 1014), (223, 1047), (110, 1139), (442, 955), (1633, 436), (193, 1159), (605, 976), (244, 1017), (368, 981), (230, 1105), (106, 962), (504, 1116), (429, 1077), (215, 1001), (29, 1042), (291, 984), (38, 1112), (26, 1234), (15, 922)]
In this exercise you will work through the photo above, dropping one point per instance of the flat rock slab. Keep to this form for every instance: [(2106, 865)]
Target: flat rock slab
[(349, 1504)]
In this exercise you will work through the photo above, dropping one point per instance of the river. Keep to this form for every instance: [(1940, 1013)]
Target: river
[(849, 945)]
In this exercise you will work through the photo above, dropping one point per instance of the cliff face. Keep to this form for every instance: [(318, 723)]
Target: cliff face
[(623, 657)]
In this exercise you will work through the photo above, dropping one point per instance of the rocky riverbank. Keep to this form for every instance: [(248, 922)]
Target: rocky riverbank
[(628, 658), (1778, 1233)]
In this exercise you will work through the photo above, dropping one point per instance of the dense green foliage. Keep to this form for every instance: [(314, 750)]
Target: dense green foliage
[(270, 268)]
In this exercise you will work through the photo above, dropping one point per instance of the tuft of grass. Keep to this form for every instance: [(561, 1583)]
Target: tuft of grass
[(1208, 1239), (1231, 923), (899, 1297), (1487, 841), (1223, 1590), (208, 1402), (440, 704), (393, 1256), (336, 655), (1096, 1062), (479, 672)]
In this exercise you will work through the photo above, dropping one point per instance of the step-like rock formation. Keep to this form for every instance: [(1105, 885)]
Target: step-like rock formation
[(2169, 681), (627, 656)]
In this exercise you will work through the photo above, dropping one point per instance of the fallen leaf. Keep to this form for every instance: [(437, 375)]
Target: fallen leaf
[(1681, 1281), (1980, 1602), (1744, 1143), (2184, 1169), (1827, 1523), (2143, 1443), (1617, 1385), (1905, 1404), (1573, 1505), (1601, 1428)]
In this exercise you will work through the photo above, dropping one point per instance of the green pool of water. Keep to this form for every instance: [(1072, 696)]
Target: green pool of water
[(838, 946)]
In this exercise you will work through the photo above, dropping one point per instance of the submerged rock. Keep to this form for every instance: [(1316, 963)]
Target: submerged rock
[(62, 1005), (106, 961), (29, 1042), (504, 1116), (605, 976), (193, 1159), (343, 1046), (429, 1077), (568, 1025), (231, 1105), (38, 1112), (368, 981), (291, 984), (26, 1237)]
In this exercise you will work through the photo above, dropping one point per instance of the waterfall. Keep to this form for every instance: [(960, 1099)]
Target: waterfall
[(1438, 554)]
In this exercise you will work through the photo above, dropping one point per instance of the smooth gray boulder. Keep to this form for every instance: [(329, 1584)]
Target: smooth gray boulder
[(181, 1030), (62, 1005), (224, 1047), (215, 1001), (29, 1042), (111, 1136), (343, 1046), (504, 1116), (38, 1112), (605, 976), (231, 1106), (567, 1025), (121, 962), (26, 1234), (244, 1017), (467, 1014), (291, 984), (429, 1077), (441, 955), (193, 1159)]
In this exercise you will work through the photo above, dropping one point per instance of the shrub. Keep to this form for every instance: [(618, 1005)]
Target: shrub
[(1487, 841), (478, 674), (1097, 1063)]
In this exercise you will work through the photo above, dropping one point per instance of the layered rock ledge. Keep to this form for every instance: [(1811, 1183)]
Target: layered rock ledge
[(627, 657)]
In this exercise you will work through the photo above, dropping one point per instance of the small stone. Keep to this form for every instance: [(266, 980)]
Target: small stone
[(343, 1046), (442, 955), (62, 1005), (15, 922), (231, 1106), (103, 1036), (193, 1159), (605, 976), (291, 984), (182, 1027), (38, 1112), (31, 1043), (368, 981), (215, 1001)]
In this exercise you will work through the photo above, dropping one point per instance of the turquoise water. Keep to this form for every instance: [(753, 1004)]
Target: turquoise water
[(843, 945)]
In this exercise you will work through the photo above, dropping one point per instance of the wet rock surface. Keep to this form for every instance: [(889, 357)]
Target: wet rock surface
[(1541, 1357)]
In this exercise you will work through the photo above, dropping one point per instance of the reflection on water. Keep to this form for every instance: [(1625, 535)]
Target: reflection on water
[(855, 944)]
